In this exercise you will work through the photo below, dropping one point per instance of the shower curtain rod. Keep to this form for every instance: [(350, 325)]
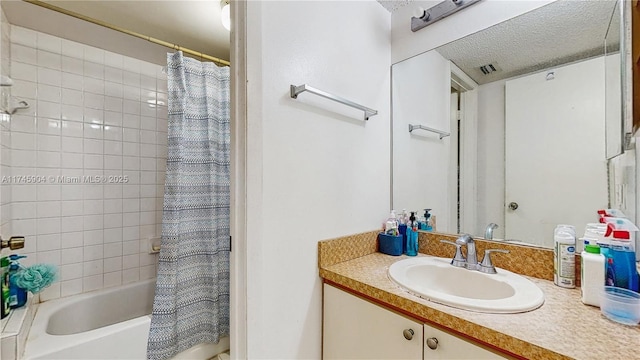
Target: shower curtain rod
[(128, 32)]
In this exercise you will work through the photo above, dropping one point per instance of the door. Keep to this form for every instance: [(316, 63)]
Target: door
[(542, 111)]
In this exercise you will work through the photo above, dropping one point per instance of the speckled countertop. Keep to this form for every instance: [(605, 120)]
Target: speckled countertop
[(563, 328)]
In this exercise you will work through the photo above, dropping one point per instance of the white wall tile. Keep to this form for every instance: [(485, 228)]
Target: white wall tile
[(49, 76), (49, 60), (72, 223), (94, 54), (113, 89), (49, 257), (113, 235), (72, 65), (72, 49), (89, 105), (92, 283), (112, 279), (49, 43), (94, 101), (113, 74), (23, 36), (93, 70), (72, 81), (93, 237), (130, 275), (71, 271), (131, 107), (93, 252), (24, 54), (112, 250), (23, 89), (47, 226), (48, 143), (48, 209), (71, 144), (113, 59), (94, 86), (72, 255), (21, 71), (94, 267), (70, 287), (72, 113), (50, 293)]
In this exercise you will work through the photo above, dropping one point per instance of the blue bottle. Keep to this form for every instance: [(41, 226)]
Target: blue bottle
[(427, 221), (624, 261), (17, 295), (412, 236)]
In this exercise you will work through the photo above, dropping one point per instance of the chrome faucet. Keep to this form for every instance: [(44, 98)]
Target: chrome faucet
[(488, 232), (472, 257), (471, 261)]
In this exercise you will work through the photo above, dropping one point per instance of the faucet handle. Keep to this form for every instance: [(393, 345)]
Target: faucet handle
[(487, 266), (458, 259)]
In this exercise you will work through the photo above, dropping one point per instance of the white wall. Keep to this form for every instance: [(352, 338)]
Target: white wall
[(315, 169), (92, 113), (421, 96), (484, 14)]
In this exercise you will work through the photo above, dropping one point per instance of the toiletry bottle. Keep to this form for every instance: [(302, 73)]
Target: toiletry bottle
[(17, 295), (412, 236), (592, 274), (391, 226), (428, 221), (564, 266), (5, 308), (624, 261)]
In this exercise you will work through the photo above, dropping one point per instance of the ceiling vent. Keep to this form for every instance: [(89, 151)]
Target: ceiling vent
[(490, 68)]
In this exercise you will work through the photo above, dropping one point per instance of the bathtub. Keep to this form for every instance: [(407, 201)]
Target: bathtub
[(107, 324)]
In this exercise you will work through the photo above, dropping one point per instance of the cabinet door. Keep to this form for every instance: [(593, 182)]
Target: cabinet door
[(355, 328), (450, 346)]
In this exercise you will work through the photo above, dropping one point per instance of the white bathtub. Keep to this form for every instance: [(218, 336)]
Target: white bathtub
[(107, 324)]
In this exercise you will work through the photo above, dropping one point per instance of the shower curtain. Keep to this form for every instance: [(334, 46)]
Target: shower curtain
[(191, 303)]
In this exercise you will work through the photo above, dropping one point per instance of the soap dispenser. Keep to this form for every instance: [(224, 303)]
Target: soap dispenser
[(427, 224), (412, 236)]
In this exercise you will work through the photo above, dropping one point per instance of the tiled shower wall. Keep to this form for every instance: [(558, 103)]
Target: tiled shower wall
[(5, 135), (88, 161)]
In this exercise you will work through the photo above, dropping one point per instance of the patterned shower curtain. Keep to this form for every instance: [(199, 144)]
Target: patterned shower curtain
[(191, 304)]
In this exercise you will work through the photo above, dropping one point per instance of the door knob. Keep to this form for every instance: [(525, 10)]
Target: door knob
[(408, 334), (432, 343), (513, 205)]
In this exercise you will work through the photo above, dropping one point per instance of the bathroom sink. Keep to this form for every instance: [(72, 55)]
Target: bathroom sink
[(435, 279)]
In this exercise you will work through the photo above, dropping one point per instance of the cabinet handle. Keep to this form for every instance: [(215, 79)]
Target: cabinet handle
[(432, 343), (408, 334)]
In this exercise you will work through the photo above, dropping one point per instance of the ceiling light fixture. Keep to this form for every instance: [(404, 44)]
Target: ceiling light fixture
[(225, 14)]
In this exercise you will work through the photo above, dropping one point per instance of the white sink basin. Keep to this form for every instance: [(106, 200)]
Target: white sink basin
[(435, 279)]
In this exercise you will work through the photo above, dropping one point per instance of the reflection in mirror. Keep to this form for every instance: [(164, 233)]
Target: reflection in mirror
[(614, 129), (527, 147)]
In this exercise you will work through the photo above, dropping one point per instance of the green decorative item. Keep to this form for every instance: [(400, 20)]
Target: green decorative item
[(36, 277)]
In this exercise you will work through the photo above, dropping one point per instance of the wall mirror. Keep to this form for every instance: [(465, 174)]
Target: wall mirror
[(527, 114)]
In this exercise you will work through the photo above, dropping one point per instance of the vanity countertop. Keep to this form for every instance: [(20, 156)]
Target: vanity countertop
[(562, 328)]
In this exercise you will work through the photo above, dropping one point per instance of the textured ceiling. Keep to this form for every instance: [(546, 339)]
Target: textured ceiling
[(555, 34), (393, 5)]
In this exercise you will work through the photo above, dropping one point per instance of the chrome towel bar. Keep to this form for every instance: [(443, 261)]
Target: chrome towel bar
[(441, 134), (295, 90)]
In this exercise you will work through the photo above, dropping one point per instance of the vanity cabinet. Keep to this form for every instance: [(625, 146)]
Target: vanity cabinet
[(354, 328)]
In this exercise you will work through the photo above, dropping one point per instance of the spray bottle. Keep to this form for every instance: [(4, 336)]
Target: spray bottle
[(5, 308), (17, 295)]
